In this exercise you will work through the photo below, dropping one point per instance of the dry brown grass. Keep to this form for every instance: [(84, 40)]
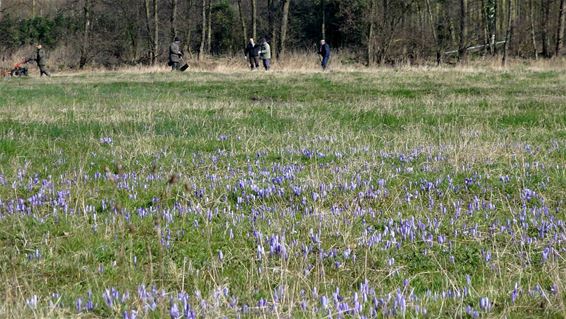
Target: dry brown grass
[(62, 59)]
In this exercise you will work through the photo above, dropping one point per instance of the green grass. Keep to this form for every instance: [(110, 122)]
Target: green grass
[(240, 145)]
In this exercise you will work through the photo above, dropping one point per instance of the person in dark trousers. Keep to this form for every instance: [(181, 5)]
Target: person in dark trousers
[(324, 52), (265, 54), (175, 54), (252, 52), (41, 61)]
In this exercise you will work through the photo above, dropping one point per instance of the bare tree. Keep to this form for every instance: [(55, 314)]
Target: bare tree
[(189, 28), (209, 27), (272, 8), (254, 19), (491, 16), (463, 44), (560, 31), (545, 6), (484, 26), (86, 34), (392, 15), (173, 18), (203, 32), (434, 33), (148, 27), (509, 32), (242, 22), (284, 23), (532, 28), (388, 30), (156, 32), (370, 45), (323, 15)]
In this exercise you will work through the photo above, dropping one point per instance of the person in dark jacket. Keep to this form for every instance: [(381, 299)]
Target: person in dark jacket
[(251, 52), (41, 60), (324, 52), (175, 54)]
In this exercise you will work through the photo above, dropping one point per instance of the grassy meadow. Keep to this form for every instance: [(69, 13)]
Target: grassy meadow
[(410, 193)]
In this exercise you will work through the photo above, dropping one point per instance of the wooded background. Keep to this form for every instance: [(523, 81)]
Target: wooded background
[(128, 32)]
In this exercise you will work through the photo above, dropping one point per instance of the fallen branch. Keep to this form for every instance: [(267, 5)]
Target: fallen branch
[(474, 48)]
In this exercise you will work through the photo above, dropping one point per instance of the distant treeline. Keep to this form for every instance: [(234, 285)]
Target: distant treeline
[(117, 32)]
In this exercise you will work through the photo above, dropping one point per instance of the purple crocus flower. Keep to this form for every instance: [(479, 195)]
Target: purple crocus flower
[(107, 297), (106, 140), (515, 293), (89, 303), (32, 302), (485, 304), (78, 304), (324, 302), (174, 311), (545, 254), (130, 314)]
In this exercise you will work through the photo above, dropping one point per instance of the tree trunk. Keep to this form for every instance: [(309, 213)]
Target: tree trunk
[(434, 34), (189, 29), (1, 10), (209, 28), (203, 32), (132, 28), (243, 22), (560, 31), (491, 14), (33, 6), (149, 35), (323, 14), (284, 22), (463, 46), (500, 20), (155, 32), (371, 33), (423, 16), (532, 27), (485, 27), (545, 6), (173, 19), (271, 21), (450, 25), (86, 35), (133, 36), (385, 10), (392, 25), (254, 19), (509, 32)]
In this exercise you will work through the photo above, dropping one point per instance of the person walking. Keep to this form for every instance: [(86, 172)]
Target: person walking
[(324, 52), (175, 54), (251, 52), (41, 60), (265, 54)]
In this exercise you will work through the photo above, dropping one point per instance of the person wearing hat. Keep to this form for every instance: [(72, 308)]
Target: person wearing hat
[(41, 61), (175, 54)]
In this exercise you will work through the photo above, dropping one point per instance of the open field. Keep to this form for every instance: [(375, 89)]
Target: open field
[(403, 193)]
